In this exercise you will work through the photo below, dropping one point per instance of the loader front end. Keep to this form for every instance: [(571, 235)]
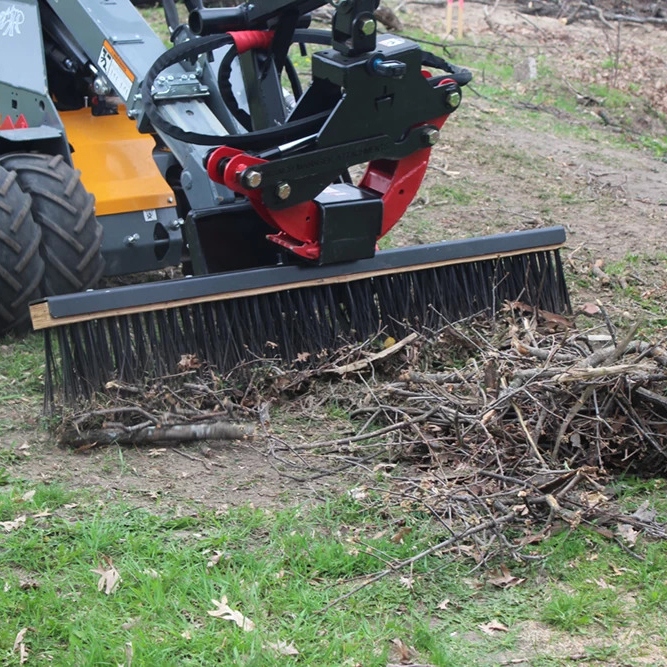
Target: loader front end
[(280, 241)]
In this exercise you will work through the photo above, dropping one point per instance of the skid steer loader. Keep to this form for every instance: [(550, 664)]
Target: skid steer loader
[(197, 155)]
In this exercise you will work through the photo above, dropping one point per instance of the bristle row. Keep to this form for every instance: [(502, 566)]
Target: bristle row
[(137, 348)]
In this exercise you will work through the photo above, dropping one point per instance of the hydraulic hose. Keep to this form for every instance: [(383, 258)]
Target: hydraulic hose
[(259, 139)]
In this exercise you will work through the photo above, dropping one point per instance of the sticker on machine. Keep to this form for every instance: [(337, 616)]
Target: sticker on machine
[(118, 73), (150, 215), (391, 41)]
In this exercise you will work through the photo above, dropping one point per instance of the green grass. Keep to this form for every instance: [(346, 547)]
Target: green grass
[(279, 567), (21, 367)]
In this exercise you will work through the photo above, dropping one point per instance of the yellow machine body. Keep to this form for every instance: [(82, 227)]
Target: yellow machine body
[(116, 162)]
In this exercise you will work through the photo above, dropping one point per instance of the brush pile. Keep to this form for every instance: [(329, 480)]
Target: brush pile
[(501, 431)]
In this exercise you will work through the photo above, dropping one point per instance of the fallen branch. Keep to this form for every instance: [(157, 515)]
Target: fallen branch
[(156, 434)]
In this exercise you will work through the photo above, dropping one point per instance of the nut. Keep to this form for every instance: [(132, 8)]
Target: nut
[(283, 190)]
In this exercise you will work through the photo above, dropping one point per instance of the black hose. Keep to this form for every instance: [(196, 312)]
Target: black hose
[(293, 77), (258, 139), (225, 87)]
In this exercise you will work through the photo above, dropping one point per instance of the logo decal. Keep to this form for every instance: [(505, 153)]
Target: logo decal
[(11, 20)]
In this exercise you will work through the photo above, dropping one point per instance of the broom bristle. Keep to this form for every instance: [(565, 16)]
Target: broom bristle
[(139, 348)]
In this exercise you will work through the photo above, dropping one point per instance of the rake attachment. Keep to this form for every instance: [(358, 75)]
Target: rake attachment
[(140, 333)]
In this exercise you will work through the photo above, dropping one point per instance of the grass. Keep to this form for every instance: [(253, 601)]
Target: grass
[(280, 567), (21, 367)]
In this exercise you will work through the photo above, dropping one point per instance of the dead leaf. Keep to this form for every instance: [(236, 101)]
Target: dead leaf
[(492, 627), (405, 653), (628, 533), (617, 571), (20, 646), (603, 584), (302, 356), (283, 648), (444, 604), (401, 533), (594, 498), (42, 514), (554, 319), (19, 638), (28, 496), (129, 654), (8, 526), (188, 362), (109, 577), (505, 579), (225, 611), (643, 513), (186, 635), (590, 309), (358, 493), (153, 574), (215, 559), (408, 582)]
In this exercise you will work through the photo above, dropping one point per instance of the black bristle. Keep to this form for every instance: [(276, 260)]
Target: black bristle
[(136, 349)]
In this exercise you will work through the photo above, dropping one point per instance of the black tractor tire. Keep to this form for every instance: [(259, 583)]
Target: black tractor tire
[(65, 212), (21, 266)]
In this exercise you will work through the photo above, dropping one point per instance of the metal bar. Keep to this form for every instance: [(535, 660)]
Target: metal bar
[(153, 296)]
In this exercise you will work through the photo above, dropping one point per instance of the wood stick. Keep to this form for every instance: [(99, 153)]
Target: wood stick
[(362, 363)]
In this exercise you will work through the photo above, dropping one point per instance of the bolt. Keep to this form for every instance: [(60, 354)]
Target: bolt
[(175, 225), (100, 86), (251, 179), (367, 27), (131, 240), (453, 99), (283, 190), (431, 136)]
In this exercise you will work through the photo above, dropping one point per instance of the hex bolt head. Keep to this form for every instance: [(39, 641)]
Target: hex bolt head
[(431, 136), (453, 99), (251, 179), (367, 27), (283, 190)]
